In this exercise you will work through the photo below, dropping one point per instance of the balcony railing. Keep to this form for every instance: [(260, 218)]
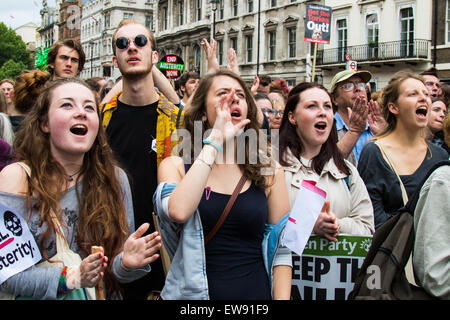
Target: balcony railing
[(382, 51)]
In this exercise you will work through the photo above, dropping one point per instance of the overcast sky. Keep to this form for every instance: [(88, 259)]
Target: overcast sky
[(15, 13)]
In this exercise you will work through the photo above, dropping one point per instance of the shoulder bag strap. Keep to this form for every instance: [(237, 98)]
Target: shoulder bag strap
[(388, 160), (227, 209)]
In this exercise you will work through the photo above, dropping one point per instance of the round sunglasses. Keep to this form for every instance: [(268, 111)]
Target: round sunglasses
[(140, 40)]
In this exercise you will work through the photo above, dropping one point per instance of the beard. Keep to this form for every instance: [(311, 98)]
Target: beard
[(135, 73)]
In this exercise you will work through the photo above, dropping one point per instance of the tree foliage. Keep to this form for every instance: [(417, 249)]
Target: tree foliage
[(13, 52), (11, 69)]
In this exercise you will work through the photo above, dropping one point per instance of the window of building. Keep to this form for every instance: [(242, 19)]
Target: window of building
[(233, 43), (220, 52), (149, 22), (198, 11), (372, 34), (272, 35), (273, 3), (341, 28), (164, 18), (235, 7), (180, 13), (407, 31), (249, 5), (221, 9), (447, 20), (292, 42), (128, 15), (249, 47)]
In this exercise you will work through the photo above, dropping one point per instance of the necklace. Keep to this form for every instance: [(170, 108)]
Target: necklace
[(70, 177)]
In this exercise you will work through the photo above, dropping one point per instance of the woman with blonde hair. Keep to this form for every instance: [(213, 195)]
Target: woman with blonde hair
[(72, 195), (190, 200), (397, 160)]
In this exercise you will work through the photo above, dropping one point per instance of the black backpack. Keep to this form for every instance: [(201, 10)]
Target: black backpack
[(391, 247)]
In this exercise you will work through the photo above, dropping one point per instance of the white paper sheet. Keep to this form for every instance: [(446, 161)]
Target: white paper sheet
[(303, 216)]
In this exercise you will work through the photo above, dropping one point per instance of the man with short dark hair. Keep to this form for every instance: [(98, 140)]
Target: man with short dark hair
[(139, 122), (188, 83), (432, 82), (66, 59), (264, 82)]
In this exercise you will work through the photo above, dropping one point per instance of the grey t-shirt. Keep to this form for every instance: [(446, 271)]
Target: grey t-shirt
[(42, 283)]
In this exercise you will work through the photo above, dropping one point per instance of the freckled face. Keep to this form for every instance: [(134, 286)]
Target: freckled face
[(73, 121)]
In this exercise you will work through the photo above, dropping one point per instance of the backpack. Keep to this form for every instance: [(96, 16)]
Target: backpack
[(391, 247)]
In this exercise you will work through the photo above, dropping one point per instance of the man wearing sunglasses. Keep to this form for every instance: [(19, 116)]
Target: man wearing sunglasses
[(348, 91), (139, 122)]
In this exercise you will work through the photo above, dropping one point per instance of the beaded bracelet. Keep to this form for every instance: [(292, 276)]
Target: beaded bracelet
[(215, 145), (62, 285)]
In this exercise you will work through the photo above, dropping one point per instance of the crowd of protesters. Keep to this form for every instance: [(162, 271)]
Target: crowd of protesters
[(106, 164)]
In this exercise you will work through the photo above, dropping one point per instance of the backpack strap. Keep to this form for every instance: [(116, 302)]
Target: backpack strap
[(411, 205), (391, 165)]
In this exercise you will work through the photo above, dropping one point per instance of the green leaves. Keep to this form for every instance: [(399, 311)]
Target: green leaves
[(14, 56)]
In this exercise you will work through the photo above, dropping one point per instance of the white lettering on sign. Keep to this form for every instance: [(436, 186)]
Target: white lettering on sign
[(18, 249), (171, 59)]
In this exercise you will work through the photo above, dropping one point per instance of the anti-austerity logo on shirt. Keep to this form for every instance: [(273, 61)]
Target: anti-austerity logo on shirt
[(18, 248)]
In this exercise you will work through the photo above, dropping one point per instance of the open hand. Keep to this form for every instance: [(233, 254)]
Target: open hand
[(211, 54), (377, 123), (139, 251), (358, 115), (223, 124)]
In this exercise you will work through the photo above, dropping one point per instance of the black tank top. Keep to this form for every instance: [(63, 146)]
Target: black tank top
[(234, 261)]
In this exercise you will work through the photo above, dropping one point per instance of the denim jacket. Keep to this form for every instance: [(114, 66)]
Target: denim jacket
[(186, 278)]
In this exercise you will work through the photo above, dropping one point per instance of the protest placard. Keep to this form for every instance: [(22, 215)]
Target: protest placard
[(327, 270), (317, 23), (18, 249)]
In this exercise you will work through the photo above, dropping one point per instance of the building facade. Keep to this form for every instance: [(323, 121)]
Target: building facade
[(48, 30), (266, 35), (382, 36)]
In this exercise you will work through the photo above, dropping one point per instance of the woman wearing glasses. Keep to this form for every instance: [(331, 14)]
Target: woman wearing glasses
[(393, 164), (308, 151)]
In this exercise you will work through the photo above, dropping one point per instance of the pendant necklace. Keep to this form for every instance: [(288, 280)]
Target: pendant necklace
[(70, 179)]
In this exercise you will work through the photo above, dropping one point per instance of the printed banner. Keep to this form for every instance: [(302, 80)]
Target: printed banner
[(304, 213), (327, 270), (317, 23), (18, 249)]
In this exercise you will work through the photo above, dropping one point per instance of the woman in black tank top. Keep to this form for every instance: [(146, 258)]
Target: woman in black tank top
[(234, 259)]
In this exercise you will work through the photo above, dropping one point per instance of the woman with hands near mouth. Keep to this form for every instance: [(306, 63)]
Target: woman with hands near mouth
[(308, 151), (72, 195), (398, 159), (193, 197)]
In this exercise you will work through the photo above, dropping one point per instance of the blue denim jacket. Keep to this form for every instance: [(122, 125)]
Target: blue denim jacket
[(186, 279)]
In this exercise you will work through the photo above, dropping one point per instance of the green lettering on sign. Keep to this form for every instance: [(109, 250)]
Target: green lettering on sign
[(347, 245), (171, 66)]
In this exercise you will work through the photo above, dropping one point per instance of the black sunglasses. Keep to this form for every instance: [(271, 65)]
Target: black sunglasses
[(123, 43)]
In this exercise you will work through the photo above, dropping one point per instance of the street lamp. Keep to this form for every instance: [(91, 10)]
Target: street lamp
[(214, 8), (91, 43)]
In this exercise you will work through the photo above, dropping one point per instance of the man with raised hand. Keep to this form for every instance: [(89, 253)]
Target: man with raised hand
[(357, 119)]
